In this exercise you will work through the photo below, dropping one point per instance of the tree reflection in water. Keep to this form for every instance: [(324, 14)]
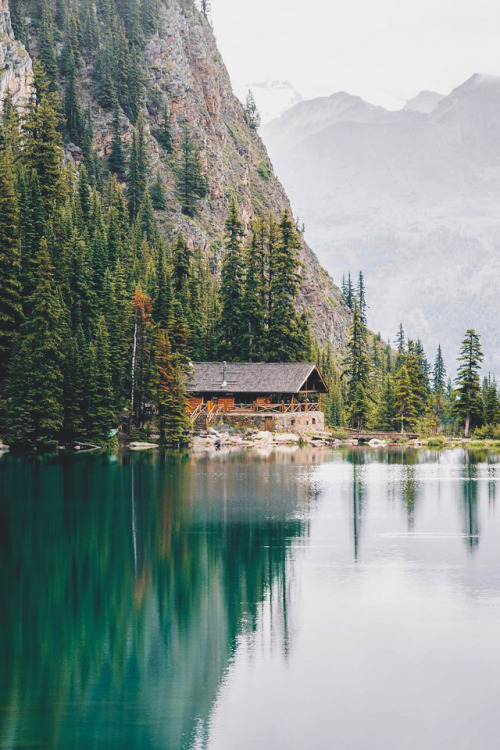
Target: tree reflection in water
[(124, 588)]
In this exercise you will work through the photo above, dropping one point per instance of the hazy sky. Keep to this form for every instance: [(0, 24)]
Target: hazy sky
[(383, 50)]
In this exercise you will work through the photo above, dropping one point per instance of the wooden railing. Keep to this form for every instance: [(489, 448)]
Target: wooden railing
[(283, 408), (210, 413), (197, 412)]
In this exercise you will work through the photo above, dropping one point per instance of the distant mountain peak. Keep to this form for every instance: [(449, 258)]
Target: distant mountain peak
[(425, 102)]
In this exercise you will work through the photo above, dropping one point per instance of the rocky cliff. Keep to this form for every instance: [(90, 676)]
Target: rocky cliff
[(184, 69), (15, 63)]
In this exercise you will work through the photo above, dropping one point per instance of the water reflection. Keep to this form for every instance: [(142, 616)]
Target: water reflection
[(130, 587), (470, 502), (124, 589)]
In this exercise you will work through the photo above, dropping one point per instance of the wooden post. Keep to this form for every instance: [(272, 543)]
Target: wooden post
[(293, 408)]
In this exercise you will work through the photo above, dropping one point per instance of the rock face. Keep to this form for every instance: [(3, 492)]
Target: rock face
[(184, 69), (16, 73)]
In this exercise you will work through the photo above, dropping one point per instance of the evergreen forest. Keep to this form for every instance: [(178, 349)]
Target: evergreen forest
[(101, 313)]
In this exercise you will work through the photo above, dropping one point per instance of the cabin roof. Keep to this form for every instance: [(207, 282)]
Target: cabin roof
[(253, 377)]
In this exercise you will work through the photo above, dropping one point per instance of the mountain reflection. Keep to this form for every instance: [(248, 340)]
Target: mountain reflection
[(125, 586)]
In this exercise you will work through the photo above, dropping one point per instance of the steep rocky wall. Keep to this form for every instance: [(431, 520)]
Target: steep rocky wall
[(16, 73), (183, 68)]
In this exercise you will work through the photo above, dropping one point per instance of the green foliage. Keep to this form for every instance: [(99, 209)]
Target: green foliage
[(285, 342), (191, 182), (357, 370), (252, 116), (163, 133), (116, 159), (468, 404), (34, 405), (264, 171), (232, 290), (10, 261), (171, 398), (158, 194)]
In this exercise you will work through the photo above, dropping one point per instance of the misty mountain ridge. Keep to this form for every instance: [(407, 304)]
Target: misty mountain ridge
[(273, 98), (411, 196)]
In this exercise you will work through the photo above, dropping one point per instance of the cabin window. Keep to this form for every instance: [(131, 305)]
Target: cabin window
[(314, 420)]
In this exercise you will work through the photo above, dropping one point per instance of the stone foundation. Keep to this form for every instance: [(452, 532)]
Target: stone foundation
[(299, 423)]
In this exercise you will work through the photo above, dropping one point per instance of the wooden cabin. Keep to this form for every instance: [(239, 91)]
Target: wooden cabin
[(255, 387)]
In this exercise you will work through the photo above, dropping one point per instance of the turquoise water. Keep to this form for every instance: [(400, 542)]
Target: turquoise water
[(296, 599)]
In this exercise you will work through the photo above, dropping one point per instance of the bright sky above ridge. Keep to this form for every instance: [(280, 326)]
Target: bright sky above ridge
[(385, 51)]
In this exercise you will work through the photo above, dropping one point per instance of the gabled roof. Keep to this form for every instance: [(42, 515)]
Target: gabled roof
[(253, 377)]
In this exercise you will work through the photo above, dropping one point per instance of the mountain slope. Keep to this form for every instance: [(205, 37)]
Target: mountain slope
[(182, 68), (411, 197)]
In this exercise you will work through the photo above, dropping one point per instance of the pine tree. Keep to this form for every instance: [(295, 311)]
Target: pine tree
[(46, 46), (232, 291), (171, 399), (283, 339), (405, 407), (191, 182), (439, 373), (348, 293), (158, 194), (252, 115), (43, 151), (163, 133), (357, 370), (361, 295), (468, 403), (100, 415), (10, 261), (400, 346), (385, 416), (17, 19), (116, 159), (34, 405), (491, 403), (181, 267), (137, 177), (254, 309), (74, 118), (205, 8)]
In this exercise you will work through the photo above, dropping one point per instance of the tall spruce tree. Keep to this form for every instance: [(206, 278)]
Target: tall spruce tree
[(116, 159), (163, 133), (191, 182), (405, 402), (100, 415), (10, 261), (439, 373), (283, 338), (34, 404), (252, 115), (357, 371), (171, 398), (232, 324), (361, 295), (43, 149), (468, 402), (254, 309)]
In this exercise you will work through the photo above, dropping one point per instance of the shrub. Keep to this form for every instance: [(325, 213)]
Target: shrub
[(487, 432)]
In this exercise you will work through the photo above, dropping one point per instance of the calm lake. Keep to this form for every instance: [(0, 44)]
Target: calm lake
[(296, 600)]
